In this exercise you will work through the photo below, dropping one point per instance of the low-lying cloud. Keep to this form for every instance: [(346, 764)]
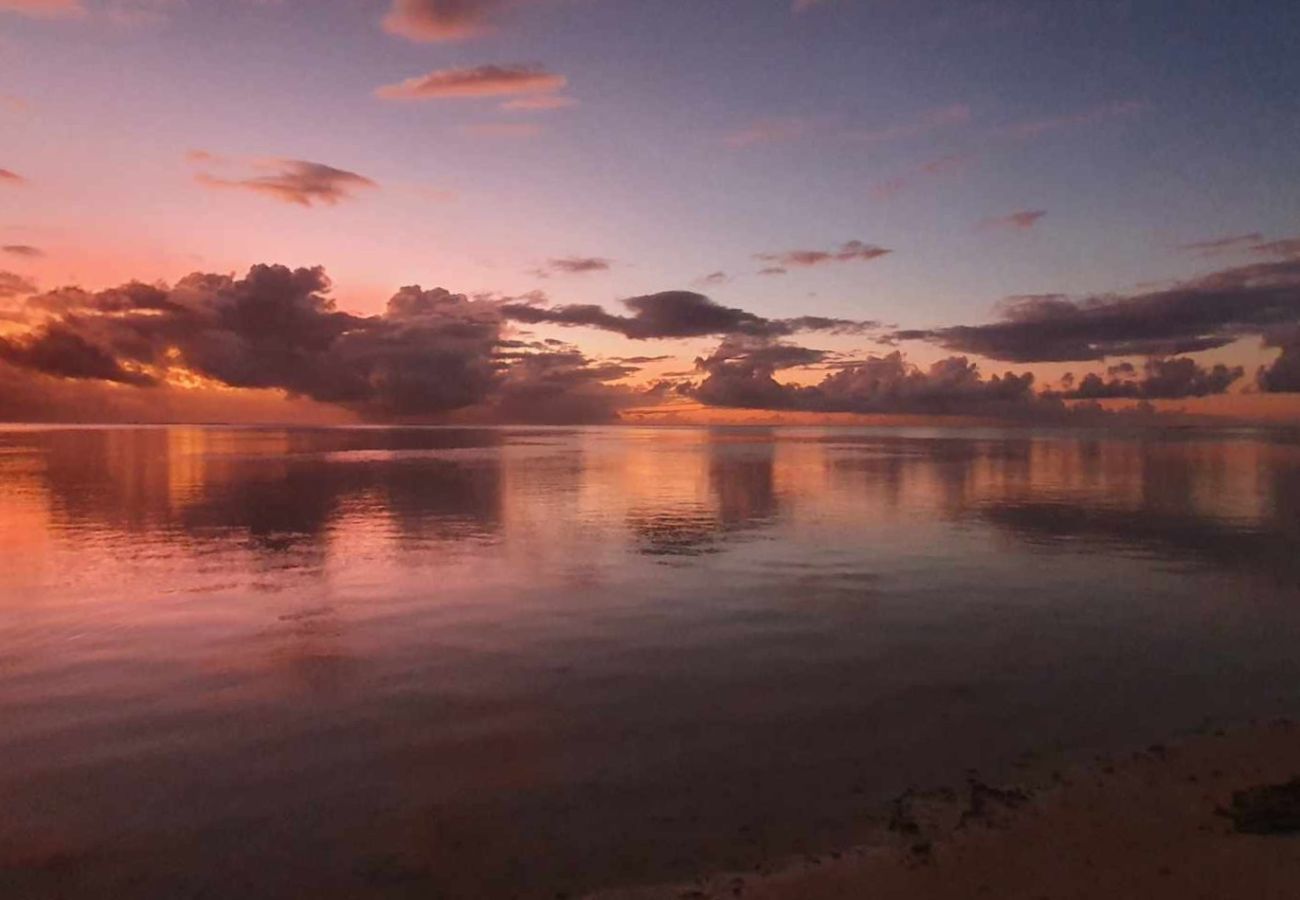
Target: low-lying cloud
[(431, 353), (1162, 379), (743, 376), (1199, 314)]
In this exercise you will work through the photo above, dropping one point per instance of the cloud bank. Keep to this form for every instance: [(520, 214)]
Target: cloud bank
[(430, 354), (1202, 313)]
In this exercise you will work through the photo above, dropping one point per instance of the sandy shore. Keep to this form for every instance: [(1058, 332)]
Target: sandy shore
[(1151, 825)]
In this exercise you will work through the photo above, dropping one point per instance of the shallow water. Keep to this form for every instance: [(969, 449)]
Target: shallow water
[(500, 662)]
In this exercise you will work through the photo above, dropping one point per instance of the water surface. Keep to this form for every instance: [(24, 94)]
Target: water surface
[(524, 662)]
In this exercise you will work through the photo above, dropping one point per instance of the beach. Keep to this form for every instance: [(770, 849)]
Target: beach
[(1158, 823)]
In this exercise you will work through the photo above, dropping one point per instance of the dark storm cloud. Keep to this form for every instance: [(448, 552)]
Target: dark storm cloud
[(1201, 314), (1163, 379), (297, 181), (852, 251), (677, 314), (754, 355), (1282, 376), (60, 351), (429, 354)]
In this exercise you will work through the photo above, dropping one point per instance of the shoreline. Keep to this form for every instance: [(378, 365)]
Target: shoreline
[(1156, 824)]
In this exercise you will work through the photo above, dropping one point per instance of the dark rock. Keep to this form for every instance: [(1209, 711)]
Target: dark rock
[(1268, 809)]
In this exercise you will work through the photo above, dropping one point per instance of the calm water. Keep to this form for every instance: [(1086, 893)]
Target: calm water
[(480, 663)]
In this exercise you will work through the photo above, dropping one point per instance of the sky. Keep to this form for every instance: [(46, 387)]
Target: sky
[(1035, 209)]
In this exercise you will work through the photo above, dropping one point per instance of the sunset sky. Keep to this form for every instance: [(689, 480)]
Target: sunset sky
[(787, 194)]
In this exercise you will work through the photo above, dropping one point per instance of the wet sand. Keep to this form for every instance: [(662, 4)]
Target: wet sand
[(1151, 825)]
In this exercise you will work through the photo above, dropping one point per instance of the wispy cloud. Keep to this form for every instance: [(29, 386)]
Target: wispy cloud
[(768, 131), (1225, 244), (24, 250), (932, 169), (538, 103), (114, 12), (296, 181), (1022, 220), (573, 265), (1287, 248), (712, 279), (852, 251), (1032, 128), (502, 130), (11, 178), (777, 129), (478, 81), (43, 8), (922, 124)]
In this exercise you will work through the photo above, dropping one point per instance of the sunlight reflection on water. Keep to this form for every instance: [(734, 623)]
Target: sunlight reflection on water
[(356, 662)]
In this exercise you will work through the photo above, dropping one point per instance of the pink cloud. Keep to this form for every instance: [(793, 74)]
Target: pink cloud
[(479, 81), (539, 102), (11, 178), (43, 8), (505, 130), (433, 21), (933, 169)]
